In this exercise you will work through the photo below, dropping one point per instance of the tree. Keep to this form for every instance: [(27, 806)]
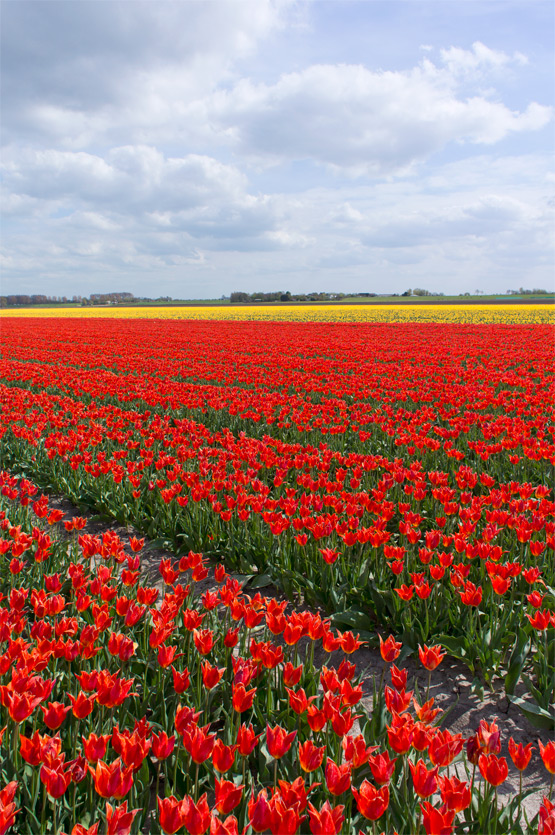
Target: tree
[(239, 296)]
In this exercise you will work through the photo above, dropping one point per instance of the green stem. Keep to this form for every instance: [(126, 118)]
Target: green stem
[(195, 792)]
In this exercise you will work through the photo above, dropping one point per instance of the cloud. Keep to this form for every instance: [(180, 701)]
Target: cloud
[(478, 61), (364, 122), (138, 179), (76, 71), (228, 142), (484, 220)]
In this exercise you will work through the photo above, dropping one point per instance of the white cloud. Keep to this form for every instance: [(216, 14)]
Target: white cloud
[(472, 63), (129, 178), (365, 122), (81, 71), (195, 138)]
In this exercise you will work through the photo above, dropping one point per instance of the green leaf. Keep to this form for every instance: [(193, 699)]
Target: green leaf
[(161, 542), (517, 661), (536, 715), (259, 581), (353, 619), (458, 646)]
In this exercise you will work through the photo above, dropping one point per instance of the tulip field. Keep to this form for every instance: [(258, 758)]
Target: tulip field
[(321, 486)]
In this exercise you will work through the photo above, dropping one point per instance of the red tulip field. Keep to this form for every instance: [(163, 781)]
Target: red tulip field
[(318, 487)]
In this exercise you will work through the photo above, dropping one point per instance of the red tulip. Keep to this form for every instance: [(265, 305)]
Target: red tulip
[(520, 754), (455, 793), (260, 814), (246, 740), (338, 777), (119, 820), (547, 753), (197, 815), (494, 769), (327, 821), (382, 767), (436, 822), (171, 814), (228, 796), (371, 802), (430, 657), (310, 757), (278, 741), (242, 699), (425, 782), (112, 780), (390, 649), (223, 756)]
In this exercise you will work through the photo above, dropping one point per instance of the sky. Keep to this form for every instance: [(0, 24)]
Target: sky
[(196, 147)]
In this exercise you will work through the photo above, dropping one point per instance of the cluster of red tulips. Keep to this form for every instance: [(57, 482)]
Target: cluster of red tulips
[(406, 465), (128, 707)]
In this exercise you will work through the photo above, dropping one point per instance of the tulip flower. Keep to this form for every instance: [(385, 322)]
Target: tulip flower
[(327, 821), (430, 657), (119, 820), (399, 733), (493, 769), (211, 676), (197, 815), (94, 747), (425, 782), (520, 754), (242, 699), (79, 829), (162, 745), (112, 780), (436, 821), (31, 748), (55, 778), (260, 813), (371, 802), (329, 555), (8, 809), (229, 826), (547, 753), (246, 740), (546, 824), (228, 796), (21, 705), (310, 757), (181, 680), (455, 793), (278, 741), (355, 751), (382, 767), (292, 675), (338, 777), (444, 747), (204, 640), (82, 706), (390, 649), (223, 756), (316, 718), (54, 714), (198, 743), (171, 814)]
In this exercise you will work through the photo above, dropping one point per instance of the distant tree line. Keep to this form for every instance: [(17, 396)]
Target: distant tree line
[(239, 297), (523, 292), (21, 300)]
